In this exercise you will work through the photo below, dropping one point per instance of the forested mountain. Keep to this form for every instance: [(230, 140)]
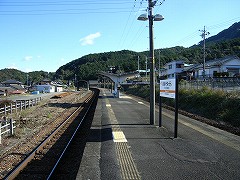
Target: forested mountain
[(87, 66), (227, 42), (224, 43), (228, 34), (31, 77)]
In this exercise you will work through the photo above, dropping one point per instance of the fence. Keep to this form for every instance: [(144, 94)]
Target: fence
[(19, 105), (6, 127), (225, 84)]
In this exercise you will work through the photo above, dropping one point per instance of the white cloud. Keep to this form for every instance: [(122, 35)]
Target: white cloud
[(27, 58), (89, 40), (12, 66), (27, 70)]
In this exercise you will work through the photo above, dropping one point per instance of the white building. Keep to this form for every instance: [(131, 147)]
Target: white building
[(171, 68), (58, 88), (46, 88), (229, 65)]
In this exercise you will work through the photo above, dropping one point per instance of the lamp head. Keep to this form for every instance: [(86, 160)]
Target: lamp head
[(142, 17), (158, 17)]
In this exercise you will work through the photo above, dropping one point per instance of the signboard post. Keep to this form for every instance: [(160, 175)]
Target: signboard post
[(169, 89)]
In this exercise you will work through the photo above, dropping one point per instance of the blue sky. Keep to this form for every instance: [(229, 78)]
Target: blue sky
[(46, 34)]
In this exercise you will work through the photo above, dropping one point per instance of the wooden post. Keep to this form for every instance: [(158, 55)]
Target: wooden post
[(11, 107), (11, 126), (0, 132), (16, 106), (25, 104), (20, 105), (5, 110)]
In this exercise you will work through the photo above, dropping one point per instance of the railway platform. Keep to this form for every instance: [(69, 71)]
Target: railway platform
[(123, 145)]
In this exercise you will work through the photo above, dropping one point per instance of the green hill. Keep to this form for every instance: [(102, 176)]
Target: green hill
[(32, 77), (225, 43)]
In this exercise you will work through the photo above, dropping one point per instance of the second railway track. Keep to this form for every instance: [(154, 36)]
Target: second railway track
[(46, 158)]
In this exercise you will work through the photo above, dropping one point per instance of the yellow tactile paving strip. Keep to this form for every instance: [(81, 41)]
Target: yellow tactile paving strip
[(127, 166), (118, 136)]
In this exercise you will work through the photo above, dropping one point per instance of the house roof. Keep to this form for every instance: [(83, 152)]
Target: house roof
[(11, 81), (17, 92), (218, 62), (191, 67), (17, 87), (9, 89), (46, 80)]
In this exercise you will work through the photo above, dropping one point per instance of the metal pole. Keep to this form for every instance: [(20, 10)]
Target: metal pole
[(27, 80), (159, 64), (204, 34), (176, 108), (146, 69), (75, 83), (152, 65), (160, 110), (204, 53), (0, 133), (138, 64)]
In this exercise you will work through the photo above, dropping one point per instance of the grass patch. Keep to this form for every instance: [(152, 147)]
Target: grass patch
[(212, 104)]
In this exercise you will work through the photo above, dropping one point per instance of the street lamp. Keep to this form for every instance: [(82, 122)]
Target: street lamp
[(151, 18)]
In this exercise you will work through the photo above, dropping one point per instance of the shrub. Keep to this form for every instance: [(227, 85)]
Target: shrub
[(211, 104), (5, 102)]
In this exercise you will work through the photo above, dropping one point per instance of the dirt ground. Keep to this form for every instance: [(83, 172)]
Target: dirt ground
[(34, 122)]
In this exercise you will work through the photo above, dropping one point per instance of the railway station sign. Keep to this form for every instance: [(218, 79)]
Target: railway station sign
[(168, 88)]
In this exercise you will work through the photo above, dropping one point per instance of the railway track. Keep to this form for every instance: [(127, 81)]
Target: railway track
[(46, 158)]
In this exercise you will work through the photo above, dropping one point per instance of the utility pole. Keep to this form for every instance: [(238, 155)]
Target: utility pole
[(75, 82), (138, 64), (27, 79), (151, 18), (146, 68), (159, 63), (204, 34), (152, 62)]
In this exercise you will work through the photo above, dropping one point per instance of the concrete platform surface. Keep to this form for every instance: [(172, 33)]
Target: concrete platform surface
[(122, 145)]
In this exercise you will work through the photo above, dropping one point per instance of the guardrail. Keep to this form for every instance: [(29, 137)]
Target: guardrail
[(19, 104), (6, 127)]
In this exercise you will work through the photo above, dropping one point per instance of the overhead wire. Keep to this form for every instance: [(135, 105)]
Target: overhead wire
[(143, 26), (224, 23), (123, 32), (54, 7), (43, 8), (60, 3), (209, 27), (134, 20), (128, 25), (138, 34)]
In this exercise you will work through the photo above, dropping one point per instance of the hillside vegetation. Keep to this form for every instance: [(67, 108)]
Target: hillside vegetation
[(217, 106), (87, 67), (31, 77), (226, 42)]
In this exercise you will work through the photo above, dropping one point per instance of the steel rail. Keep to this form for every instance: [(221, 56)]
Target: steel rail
[(13, 174), (69, 142)]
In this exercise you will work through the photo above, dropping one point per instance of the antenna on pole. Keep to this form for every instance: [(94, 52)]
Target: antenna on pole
[(203, 35)]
